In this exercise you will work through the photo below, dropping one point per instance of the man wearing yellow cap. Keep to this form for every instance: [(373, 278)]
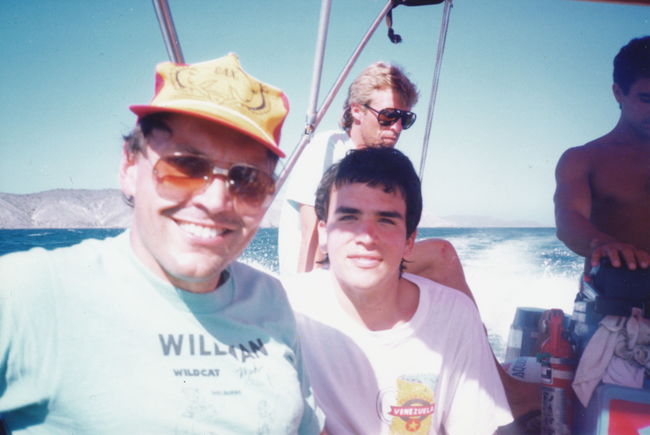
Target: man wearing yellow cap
[(159, 330)]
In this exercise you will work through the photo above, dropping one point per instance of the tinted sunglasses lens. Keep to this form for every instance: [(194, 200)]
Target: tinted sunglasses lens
[(250, 185), (388, 117), (408, 118), (180, 175)]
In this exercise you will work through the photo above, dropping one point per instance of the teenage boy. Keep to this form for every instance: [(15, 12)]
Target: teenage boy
[(388, 351)]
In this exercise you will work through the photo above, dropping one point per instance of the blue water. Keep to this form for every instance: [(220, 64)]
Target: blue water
[(263, 248), (22, 240), (505, 267)]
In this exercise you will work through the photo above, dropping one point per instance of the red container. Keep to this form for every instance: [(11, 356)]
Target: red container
[(558, 369)]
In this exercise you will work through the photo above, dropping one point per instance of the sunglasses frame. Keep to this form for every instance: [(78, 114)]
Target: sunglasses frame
[(173, 182), (407, 117)]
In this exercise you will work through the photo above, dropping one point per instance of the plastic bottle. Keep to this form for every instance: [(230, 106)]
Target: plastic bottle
[(558, 364)]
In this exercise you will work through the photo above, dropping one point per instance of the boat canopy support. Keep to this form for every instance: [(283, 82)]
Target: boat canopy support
[(394, 37), (434, 86), (314, 116), (168, 31), (319, 55)]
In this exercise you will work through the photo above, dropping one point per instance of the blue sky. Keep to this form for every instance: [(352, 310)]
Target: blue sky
[(522, 80)]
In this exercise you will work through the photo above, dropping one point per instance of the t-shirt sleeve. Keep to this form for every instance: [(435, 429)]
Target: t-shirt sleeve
[(307, 172), (26, 330), (479, 403), (313, 419)]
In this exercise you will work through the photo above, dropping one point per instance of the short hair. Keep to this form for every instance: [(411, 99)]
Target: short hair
[(632, 62), (135, 141), (378, 76), (383, 167)]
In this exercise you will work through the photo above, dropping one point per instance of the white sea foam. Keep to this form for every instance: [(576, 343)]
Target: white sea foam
[(510, 274)]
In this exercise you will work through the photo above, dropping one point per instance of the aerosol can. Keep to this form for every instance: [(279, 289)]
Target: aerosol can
[(557, 359)]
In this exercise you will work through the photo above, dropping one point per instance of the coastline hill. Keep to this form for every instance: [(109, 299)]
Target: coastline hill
[(104, 208), (76, 208), (64, 208)]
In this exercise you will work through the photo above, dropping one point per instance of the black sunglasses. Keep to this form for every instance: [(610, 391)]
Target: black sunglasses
[(390, 116), (181, 175)]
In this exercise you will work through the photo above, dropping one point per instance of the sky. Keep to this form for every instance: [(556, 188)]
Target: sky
[(521, 81)]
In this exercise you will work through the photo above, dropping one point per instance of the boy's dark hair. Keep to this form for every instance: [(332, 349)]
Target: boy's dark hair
[(632, 62), (381, 167)]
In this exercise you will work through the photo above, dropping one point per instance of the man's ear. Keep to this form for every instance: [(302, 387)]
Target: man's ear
[(356, 111), (410, 242), (618, 93), (322, 236), (128, 173)]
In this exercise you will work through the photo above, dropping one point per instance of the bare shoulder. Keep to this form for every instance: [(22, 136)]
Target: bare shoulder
[(433, 257), (612, 152), (583, 158), (437, 260), (439, 247), (586, 151)]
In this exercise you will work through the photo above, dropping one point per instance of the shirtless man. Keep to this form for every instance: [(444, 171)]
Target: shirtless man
[(602, 199)]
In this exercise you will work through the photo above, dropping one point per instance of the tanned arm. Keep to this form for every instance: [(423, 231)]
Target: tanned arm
[(573, 204), (573, 198), (437, 260), (308, 253)]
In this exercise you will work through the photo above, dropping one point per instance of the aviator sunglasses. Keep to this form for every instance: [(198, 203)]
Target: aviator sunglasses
[(389, 116), (181, 175)]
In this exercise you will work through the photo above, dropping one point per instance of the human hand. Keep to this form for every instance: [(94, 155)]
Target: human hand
[(618, 253)]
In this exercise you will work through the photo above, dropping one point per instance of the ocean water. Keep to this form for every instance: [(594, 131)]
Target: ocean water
[(506, 268)]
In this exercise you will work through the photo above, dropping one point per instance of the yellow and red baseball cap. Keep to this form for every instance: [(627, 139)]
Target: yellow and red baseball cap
[(221, 91)]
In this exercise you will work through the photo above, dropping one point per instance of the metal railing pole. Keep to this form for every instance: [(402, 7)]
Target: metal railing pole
[(168, 31), (353, 58), (434, 88), (317, 69), (317, 117)]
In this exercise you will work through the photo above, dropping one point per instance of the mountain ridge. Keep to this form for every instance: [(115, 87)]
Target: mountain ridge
[(105, 208)]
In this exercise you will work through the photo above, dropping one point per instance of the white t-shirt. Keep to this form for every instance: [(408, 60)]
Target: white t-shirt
[(433, 374), (325, 148)]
